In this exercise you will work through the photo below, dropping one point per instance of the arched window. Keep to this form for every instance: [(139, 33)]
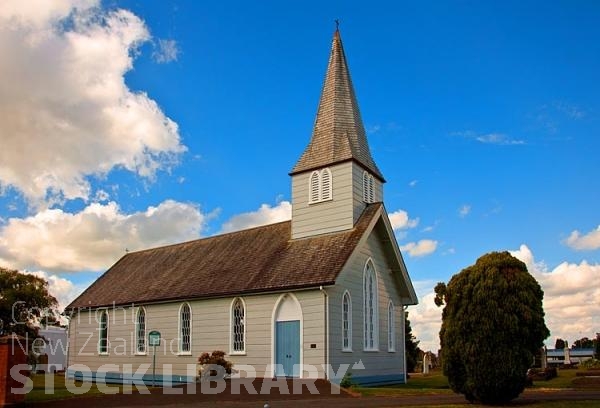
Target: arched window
[(368, 188), (370, 313), (185, 329), (315, 186), (103, 333), (391, 327), (320, 186), (238, 326), (140, 331), (346, 322)]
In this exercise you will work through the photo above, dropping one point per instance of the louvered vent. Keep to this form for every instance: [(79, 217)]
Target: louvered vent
[(325, 185), (314, 187)]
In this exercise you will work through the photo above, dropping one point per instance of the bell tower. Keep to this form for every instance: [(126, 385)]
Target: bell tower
[(336, 176)]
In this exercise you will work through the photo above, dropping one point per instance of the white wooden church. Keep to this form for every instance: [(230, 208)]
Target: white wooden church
[(327, 288)]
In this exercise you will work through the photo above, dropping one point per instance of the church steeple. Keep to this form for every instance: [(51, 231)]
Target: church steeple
[(338, 133), (336, 177)]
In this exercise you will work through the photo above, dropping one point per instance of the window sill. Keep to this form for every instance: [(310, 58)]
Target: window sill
[(237, 353), (371, 350), (347, 351), (103, 354), (391, 351), (320, 201), (184, 353), (141, 353)]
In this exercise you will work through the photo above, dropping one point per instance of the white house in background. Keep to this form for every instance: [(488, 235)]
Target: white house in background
[(568, 355), (327, 288), (55, 347)]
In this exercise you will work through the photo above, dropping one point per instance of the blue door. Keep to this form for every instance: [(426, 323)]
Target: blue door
[(287, 348)]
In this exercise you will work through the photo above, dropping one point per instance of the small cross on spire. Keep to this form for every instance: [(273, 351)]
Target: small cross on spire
[(337, 24)]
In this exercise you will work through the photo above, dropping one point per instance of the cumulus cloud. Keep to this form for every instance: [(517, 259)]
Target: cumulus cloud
[(571, 297), (401, 221), (263, 216), (66, 113), (57, 241), (586, 242), (426, 318), (64, 290), (464, 210), (420, 248), (571, 301)]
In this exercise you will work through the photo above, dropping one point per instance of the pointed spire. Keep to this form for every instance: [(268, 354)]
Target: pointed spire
[(338, 134)]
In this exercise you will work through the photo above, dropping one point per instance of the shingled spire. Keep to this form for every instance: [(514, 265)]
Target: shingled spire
[(338, 134)]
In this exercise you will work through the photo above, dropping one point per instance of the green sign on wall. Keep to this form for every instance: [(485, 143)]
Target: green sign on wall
[(154, 338)]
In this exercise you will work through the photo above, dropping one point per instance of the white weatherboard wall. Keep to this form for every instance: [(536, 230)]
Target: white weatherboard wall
[(382, 365), (338, 214), (210, 331)]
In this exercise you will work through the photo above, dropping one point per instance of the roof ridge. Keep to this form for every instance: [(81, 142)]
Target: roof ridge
[(210, 237)]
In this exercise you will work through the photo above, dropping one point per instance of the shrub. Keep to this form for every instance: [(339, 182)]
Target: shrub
[(216, 358), (591, 363), (347, 380)]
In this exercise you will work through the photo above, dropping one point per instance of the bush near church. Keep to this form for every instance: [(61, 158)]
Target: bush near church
[(492, 326)]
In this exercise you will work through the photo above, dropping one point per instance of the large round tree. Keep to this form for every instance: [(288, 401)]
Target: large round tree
[(492, 325)]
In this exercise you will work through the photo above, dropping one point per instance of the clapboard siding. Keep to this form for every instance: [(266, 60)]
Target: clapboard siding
[(379, 362), (338, 214), (210, 331), (327, 216)]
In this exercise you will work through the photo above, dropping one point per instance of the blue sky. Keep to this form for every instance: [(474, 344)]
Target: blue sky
[(484, 119)]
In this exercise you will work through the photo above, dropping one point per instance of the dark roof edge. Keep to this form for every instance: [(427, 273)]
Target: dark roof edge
[(353, 159)]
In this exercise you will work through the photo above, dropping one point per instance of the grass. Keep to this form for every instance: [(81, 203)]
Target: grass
[(63, 388), (436, 383)]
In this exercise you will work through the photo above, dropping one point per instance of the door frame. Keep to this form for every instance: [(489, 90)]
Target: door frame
[(283, 297)]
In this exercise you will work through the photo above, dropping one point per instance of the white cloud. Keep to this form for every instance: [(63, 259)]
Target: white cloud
[(571, 301), (263, 216), (498, 139), (420, 248), (571, 296), (57, 241), (413, 183), (62, 289), (426, 318), (464, 210), (166, 51), (400, 220), (589, 241), (66, 112)]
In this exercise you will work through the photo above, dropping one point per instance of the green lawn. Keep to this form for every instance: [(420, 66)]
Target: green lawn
[(62, 389), (436, 383)]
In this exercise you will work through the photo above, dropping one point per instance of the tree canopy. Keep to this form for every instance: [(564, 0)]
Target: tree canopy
[(560, 344), (492, 326), (24, 301)]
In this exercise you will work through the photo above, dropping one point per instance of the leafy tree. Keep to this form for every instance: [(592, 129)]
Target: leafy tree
[(412, 346), (24, 301), (559, 344), (583, 343), (492, 325)]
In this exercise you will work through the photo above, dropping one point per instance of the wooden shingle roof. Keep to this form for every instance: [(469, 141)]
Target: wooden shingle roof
[(256, 260), (338, 134)]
